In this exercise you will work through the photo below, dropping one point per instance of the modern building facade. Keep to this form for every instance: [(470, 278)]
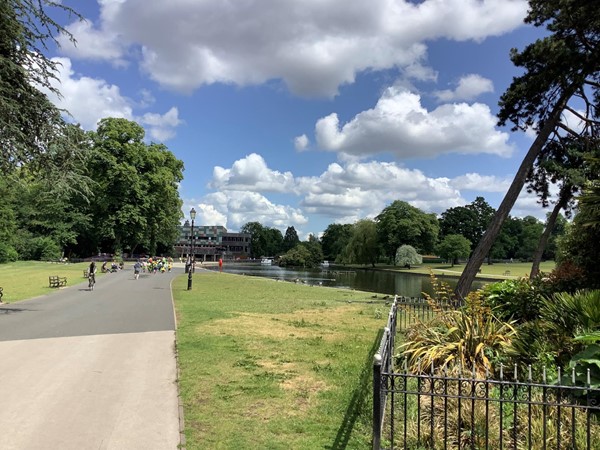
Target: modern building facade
[(212, 242)]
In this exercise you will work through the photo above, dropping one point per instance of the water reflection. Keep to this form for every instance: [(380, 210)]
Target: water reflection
[(383, 282)]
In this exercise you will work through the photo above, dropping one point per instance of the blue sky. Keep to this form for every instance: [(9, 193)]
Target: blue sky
[(308, 112)]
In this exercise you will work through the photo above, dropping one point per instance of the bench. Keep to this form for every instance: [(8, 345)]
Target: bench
[(56, 281), (507, 273), (86, 273), (1, 294)]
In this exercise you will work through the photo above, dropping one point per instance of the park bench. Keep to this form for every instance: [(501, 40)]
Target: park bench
[(86, 273), (1, 294), (55, 281), (507, 273)]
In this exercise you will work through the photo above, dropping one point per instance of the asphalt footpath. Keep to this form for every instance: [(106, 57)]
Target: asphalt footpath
[(83, 369)]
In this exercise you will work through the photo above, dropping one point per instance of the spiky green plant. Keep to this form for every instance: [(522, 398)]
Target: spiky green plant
[(469, 338)]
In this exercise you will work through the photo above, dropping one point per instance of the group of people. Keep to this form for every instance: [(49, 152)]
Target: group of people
[(151, 265), (157, 264)]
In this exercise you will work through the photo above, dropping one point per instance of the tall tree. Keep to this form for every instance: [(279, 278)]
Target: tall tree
[(401, 223), (258, 242), (469, 221), (563, 65), (453, 247), (137, 196), (563, 162), (290, 240), (29, 122), (334, 239), (273, 241), (362, 247)]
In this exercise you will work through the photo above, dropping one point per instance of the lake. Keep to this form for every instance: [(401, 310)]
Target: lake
[(384, 282)]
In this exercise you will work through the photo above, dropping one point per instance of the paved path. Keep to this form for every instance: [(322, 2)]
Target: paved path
[(91, 370)]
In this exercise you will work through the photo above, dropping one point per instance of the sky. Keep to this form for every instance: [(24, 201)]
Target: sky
[(306, 113)]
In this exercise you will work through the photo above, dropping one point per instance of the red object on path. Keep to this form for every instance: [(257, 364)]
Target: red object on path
[(220, 264)]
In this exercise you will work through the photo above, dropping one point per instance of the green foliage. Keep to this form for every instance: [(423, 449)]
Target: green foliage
[(513, 300), (265, 241), (453, 247), (587, 362), (334, 239), (305, 254), (362, 247), (579, 248), (41, 248), (401, 223), (469, 221), (470, 338), (290, 240), (407, 256), (29, 122), (137, 195), (7, 253)]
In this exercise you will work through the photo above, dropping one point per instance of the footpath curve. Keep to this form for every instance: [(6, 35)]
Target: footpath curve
[(91, 370)]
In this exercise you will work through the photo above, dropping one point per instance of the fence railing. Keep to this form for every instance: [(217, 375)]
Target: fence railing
[(461, 410)]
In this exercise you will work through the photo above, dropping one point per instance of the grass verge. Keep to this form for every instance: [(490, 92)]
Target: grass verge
[(275, 365), (22, 280), (497, 270)]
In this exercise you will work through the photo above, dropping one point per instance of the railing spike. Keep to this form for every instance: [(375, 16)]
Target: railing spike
[(529, 373), (501, 372), (544, 374)]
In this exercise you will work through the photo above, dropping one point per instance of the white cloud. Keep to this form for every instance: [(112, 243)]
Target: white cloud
[(399, 124), (93, 44), (89, 100), (481, 183), (241, 207), (358, 190), (301, 143), (251, 173), (314, 47), (207, 214), (161, 126), (345, 192), (469, 88)]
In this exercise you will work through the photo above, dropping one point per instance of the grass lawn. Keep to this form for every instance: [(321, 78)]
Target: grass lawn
[(275, 365), (496, 270), (27, 279)]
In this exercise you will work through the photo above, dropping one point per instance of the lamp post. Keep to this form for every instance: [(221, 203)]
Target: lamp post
[(191, 269)]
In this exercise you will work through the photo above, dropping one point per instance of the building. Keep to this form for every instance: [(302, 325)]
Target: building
[(212, 243)]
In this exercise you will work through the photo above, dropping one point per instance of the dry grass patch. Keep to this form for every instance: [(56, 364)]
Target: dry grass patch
[(286, 359)]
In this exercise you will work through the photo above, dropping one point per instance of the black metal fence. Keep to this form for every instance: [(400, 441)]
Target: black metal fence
[(445, 410)]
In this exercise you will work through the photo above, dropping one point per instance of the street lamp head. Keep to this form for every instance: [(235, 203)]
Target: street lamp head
[(193, 214)]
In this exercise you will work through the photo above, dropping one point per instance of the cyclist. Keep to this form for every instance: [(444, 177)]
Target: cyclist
[(92, 275)]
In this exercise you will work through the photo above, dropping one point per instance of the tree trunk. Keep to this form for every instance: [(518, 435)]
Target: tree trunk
[(485, 244), (563, 199)]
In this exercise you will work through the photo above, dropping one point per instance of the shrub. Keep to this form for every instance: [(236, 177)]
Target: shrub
[(468, 338), (41, 248), (7, 253), (407, 256), (566, 277), (517, 300)]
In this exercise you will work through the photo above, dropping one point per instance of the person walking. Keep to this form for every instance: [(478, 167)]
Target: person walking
[(137, 267), (92, 275)]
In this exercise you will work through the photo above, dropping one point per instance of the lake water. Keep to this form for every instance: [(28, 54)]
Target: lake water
[(391, 283)]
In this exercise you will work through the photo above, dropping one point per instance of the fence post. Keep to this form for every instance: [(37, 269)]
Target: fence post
[(377, 414)]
